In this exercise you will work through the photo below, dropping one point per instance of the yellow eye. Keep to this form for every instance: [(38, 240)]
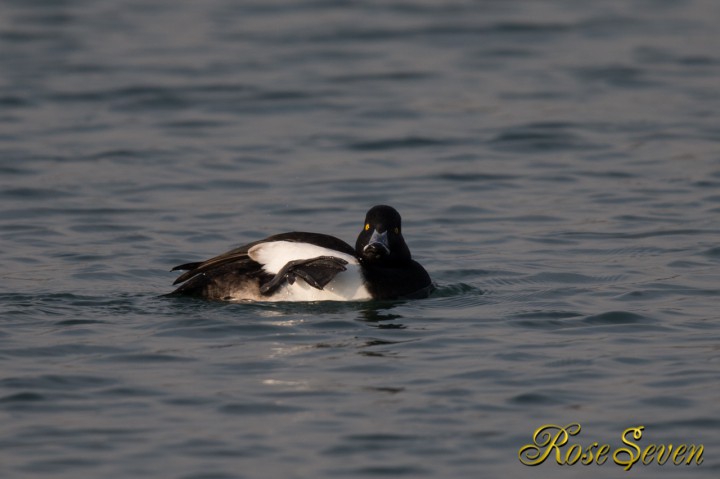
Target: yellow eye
[(397, 231), (367, 226)]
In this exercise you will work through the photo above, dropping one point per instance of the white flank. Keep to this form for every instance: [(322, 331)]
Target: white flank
[(346, 286)]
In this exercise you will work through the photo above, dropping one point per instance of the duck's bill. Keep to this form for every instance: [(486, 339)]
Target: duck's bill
[(378, 245)]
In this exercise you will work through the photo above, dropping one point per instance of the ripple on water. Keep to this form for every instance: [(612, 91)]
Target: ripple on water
[(712, 252), (354, 443), (259, 409), (22, 397), (398, 143), (56, 382), (613, 318), (541, 137), (618, 321), (51, 392), (456, 289)]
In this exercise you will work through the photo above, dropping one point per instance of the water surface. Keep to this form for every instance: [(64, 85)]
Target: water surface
[(557, 167)]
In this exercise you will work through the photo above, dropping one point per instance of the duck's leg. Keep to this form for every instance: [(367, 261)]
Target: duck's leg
[(317, 272)]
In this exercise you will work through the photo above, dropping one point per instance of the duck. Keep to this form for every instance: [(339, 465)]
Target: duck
[(302, 266)]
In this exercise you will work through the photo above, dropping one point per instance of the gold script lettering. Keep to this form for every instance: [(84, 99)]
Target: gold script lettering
[(546, 439), (552, 438), (631, 458), (692, 450)]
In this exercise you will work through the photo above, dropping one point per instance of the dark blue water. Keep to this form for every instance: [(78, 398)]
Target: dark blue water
[(557, 166)]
